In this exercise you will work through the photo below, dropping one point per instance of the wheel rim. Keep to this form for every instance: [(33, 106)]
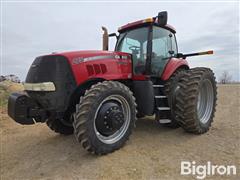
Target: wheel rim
[(112, 119), (205, 101)]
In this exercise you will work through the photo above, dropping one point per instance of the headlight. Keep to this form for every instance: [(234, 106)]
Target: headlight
[(45, 86)]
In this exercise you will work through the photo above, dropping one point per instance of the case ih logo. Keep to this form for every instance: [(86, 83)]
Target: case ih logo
[(77, 60)]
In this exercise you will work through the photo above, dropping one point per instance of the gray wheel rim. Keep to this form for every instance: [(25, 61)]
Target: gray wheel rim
[(127, 115), (205, 101)]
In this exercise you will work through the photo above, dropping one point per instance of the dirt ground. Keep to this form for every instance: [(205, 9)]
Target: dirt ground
[(153, 152)]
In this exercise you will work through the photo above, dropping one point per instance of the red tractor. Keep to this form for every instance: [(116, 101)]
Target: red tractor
[(98, 95)]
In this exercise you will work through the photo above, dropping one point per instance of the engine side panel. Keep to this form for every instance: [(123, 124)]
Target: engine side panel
[(109, 69), (100, 64)]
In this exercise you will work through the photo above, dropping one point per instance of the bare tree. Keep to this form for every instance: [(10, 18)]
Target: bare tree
[(225, 78)]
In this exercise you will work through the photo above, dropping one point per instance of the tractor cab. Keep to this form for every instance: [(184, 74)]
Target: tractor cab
[(151, 42), (151, 47)]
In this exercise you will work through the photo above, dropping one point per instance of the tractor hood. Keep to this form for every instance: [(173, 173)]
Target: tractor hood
[(76, 57)]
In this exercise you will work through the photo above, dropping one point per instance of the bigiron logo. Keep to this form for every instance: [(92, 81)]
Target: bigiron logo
[(202, 171)]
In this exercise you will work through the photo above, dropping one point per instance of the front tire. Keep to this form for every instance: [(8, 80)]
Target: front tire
[(105, 117), (196, 102), (58, 126)]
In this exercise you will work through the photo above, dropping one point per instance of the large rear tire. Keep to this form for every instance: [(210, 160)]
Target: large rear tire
[(171, 91), (105, 117), (196, 102)]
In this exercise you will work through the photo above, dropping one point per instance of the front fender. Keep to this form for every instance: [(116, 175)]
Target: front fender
[(172, 66)]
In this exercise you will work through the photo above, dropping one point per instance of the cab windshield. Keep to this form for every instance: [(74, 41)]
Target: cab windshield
[(135, 43)]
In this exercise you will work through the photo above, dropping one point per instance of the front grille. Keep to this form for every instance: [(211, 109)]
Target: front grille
[(54, 69)]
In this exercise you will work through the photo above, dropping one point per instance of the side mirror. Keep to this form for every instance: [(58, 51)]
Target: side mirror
[(162, 18)]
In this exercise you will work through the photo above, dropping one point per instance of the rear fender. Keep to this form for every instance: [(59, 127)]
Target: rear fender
[(172, 66)]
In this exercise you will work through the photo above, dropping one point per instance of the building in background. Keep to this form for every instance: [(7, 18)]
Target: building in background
[(10, 77)]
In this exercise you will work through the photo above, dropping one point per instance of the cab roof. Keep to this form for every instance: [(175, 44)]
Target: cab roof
[(144, 22)]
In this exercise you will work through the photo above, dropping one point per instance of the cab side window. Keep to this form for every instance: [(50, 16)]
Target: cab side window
[(163, 43), (163, 48), (174, 44)]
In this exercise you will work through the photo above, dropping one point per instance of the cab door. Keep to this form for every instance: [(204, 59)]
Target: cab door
[(164, 47)]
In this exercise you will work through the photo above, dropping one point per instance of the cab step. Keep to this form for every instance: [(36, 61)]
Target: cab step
[(160, 96), (157, 85), (163, 108), (164, 121)]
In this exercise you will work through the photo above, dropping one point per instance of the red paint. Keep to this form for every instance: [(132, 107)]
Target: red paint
[(172, 66), (114, 68), (140, 77), (132, 24), (140, 23), (168, 26)]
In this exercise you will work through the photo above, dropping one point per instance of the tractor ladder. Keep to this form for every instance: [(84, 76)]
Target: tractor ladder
[(162, 109)]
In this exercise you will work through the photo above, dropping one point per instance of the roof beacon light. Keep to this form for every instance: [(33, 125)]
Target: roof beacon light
[(148, 20)]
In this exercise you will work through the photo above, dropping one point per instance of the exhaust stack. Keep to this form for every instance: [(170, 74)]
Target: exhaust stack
[(105, 39)]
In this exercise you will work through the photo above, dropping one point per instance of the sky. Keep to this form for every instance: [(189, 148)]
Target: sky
[(31, 29)]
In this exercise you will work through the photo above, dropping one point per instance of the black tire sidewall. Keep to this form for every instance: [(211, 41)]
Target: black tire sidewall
[(172, 103), (91, 115), (59, 127)]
